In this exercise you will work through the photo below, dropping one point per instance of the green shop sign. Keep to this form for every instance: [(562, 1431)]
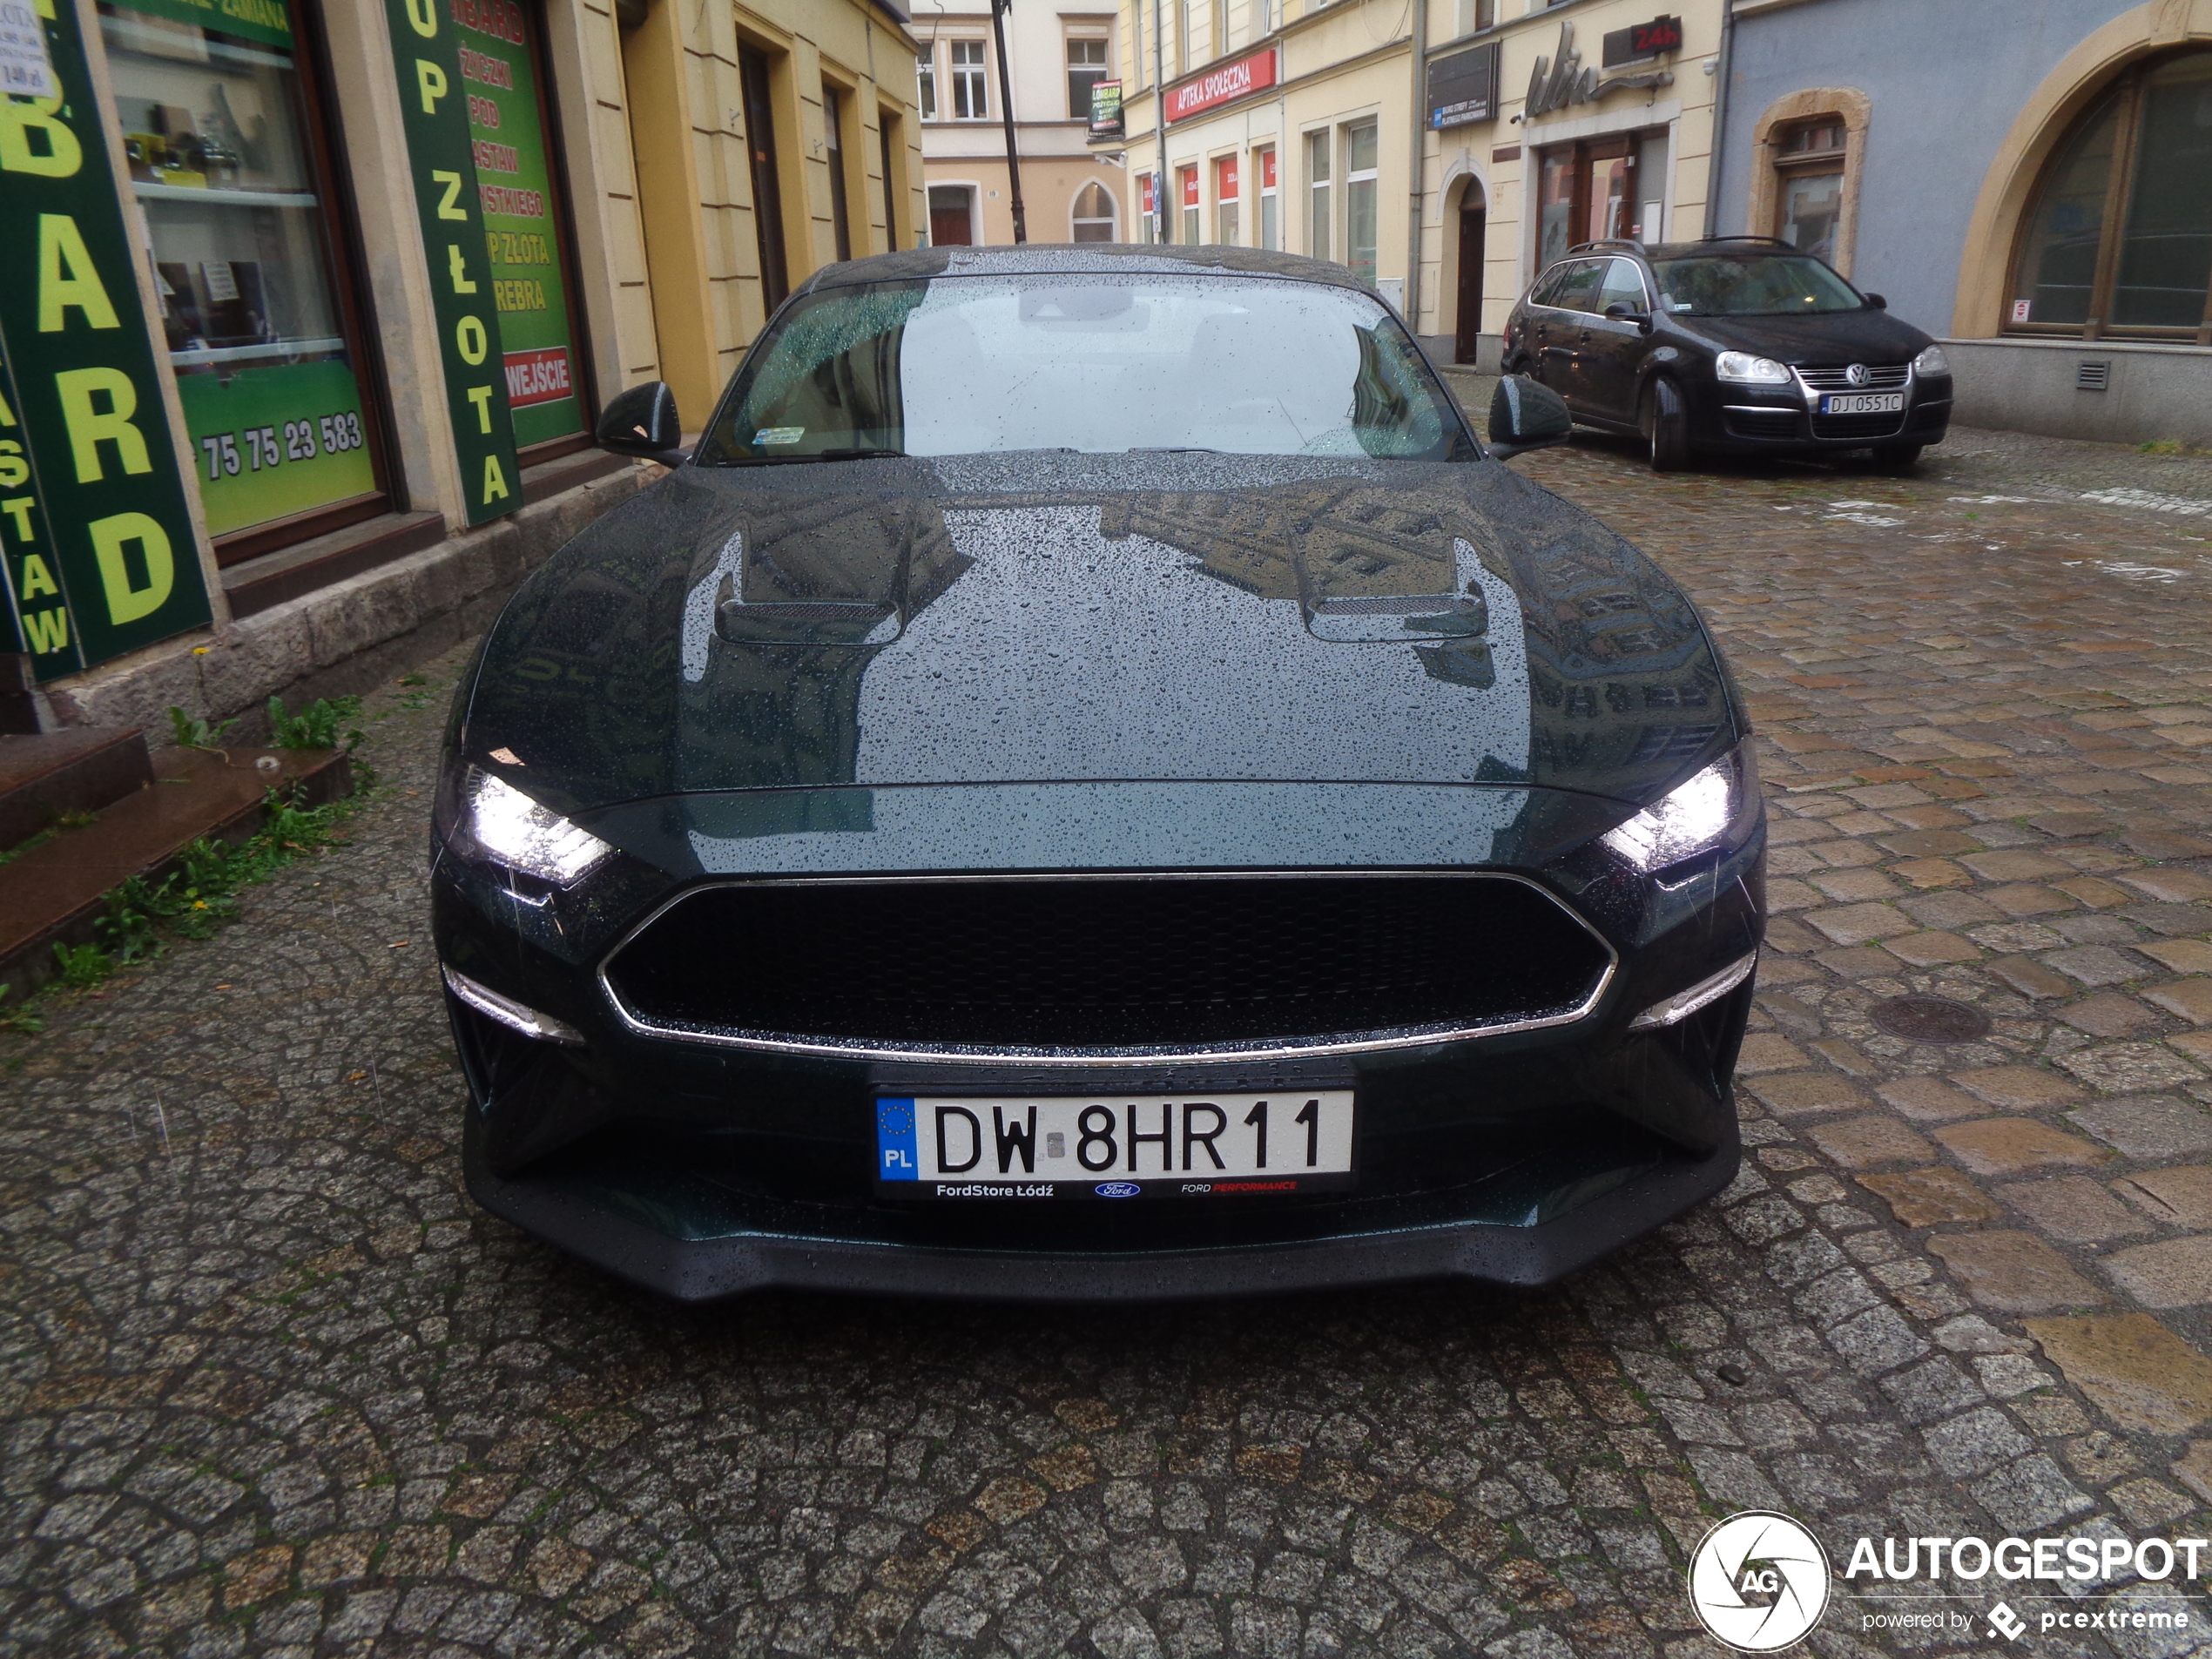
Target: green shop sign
[(100, 554), (443, 161)]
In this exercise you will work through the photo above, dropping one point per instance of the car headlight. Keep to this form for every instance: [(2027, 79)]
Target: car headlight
[(501, 823), (1752, 371), (1932, 361), (1714, 809)]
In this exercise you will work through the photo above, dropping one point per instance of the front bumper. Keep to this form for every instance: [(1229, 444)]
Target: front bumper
[(699, 1269), (1739, 420)]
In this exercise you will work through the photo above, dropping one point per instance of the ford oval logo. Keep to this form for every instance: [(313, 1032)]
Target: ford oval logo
[(1857, 375), (1118, 1189)]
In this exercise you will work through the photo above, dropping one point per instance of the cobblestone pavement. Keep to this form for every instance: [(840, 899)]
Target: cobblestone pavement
[(270, 1385)]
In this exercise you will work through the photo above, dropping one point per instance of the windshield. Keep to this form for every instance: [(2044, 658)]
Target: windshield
[(1753, 285), (1099, 364)]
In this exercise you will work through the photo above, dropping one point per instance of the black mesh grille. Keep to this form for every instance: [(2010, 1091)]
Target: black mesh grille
[(1763, 423), (1182, 963), (1857, 426)]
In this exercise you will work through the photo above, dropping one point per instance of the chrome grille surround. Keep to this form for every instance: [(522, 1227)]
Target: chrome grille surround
[(1342, 1043)]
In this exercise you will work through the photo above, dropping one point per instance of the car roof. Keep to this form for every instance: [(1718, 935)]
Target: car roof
[(1705, 247), (1084, 258)]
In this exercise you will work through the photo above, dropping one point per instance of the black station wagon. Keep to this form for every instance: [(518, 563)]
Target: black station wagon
[(1093, 782), (1739, 345)]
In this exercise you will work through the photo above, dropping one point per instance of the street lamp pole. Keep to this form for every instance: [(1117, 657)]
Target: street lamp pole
[(1006, 110)]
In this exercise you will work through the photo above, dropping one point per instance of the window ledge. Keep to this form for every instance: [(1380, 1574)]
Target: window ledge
[(259, 584), (2074, 343)]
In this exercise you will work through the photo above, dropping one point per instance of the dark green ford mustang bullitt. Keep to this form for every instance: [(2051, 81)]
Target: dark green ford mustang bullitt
[(1092, 783)]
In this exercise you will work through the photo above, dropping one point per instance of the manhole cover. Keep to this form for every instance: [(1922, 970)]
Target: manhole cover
[(1929, 1019)]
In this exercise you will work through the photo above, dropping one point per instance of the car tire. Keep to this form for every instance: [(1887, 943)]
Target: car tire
[(1897, 457), (1666, 424)]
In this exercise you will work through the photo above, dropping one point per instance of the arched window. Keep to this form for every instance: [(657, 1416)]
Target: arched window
[(2119, 239), (1093, 214)]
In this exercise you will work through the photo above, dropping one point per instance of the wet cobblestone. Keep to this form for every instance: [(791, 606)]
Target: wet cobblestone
[(269, 1385)]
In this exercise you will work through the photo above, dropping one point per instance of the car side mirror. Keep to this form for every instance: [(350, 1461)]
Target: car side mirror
[(1621, 311), (1525, 415), (1876, 302), (642, 421)]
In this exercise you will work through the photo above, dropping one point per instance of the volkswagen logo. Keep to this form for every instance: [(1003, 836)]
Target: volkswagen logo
[(1759, 1581), (1857, 375)]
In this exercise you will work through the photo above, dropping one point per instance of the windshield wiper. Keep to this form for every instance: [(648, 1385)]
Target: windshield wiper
[(1172, 449), (818, 455)]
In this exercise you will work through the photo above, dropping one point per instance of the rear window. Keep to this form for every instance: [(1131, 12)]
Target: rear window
[(1752, 285)]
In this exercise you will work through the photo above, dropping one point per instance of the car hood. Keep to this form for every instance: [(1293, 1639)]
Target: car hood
[(1838, 337), (1030, 619)]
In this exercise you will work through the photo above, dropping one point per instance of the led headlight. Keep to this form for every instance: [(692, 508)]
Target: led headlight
[(501, 823), (1713, 809), (1752, 371), (1932, 361)]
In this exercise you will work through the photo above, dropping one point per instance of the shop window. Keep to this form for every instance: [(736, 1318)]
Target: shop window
[(1472, 16), (1359, 199), (2119, 240), (1271, 224), (228, 161), (525, 226), (754, 78), (970, 100), (952, 216), (1187, 181), (925, 84), (1092, 219), (833, 147), (1598, 190), (1318, 204), (1148, 205), (1086, 68), (1226, 204)]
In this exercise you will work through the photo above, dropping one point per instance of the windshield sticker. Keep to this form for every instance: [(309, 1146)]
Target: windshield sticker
[(780, 435)]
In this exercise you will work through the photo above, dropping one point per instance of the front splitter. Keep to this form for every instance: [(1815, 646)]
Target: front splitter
[(706, 1270)]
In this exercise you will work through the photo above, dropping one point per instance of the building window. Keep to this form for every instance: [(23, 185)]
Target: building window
[(1186, 43), (1149, 205), (229, 166), (925, 78), (1187, 182), (969, 101), (1809, 187), (2118, 241), (1086, 68), (1264, 16), (1317, 194), (951, 216), (1472, 16), (1271, 225), (887, 132), (834, 146), (1092, 218), (767, 179), (1226, 203), (1360, 192), (1599, 189)]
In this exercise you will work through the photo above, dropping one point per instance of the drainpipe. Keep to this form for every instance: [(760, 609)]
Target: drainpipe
[(1159, 129), (1420, 145), (1720, 120), (1006, 110)]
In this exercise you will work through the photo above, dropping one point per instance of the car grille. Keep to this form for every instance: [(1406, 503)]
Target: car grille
[(1762, 423), (1857, 426), (1107, 967), (1880, 377)]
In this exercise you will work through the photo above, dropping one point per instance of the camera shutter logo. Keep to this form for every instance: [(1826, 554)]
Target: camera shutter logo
[(1758, 1581)]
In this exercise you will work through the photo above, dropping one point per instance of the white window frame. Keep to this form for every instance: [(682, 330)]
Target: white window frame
[(1113, 219), (926, 81), (971, 80), (1105, 65)]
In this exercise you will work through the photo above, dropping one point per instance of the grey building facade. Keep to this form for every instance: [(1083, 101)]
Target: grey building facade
[(2032, 185)]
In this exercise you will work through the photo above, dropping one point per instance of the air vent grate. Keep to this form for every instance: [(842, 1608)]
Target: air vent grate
[(2092, 376)]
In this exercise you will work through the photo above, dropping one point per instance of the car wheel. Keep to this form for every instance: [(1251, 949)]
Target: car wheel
[(1897, 457), (1666, 425)]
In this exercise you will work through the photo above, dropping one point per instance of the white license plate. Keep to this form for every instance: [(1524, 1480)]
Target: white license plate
[(1114, 1146), (1863, 404)]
